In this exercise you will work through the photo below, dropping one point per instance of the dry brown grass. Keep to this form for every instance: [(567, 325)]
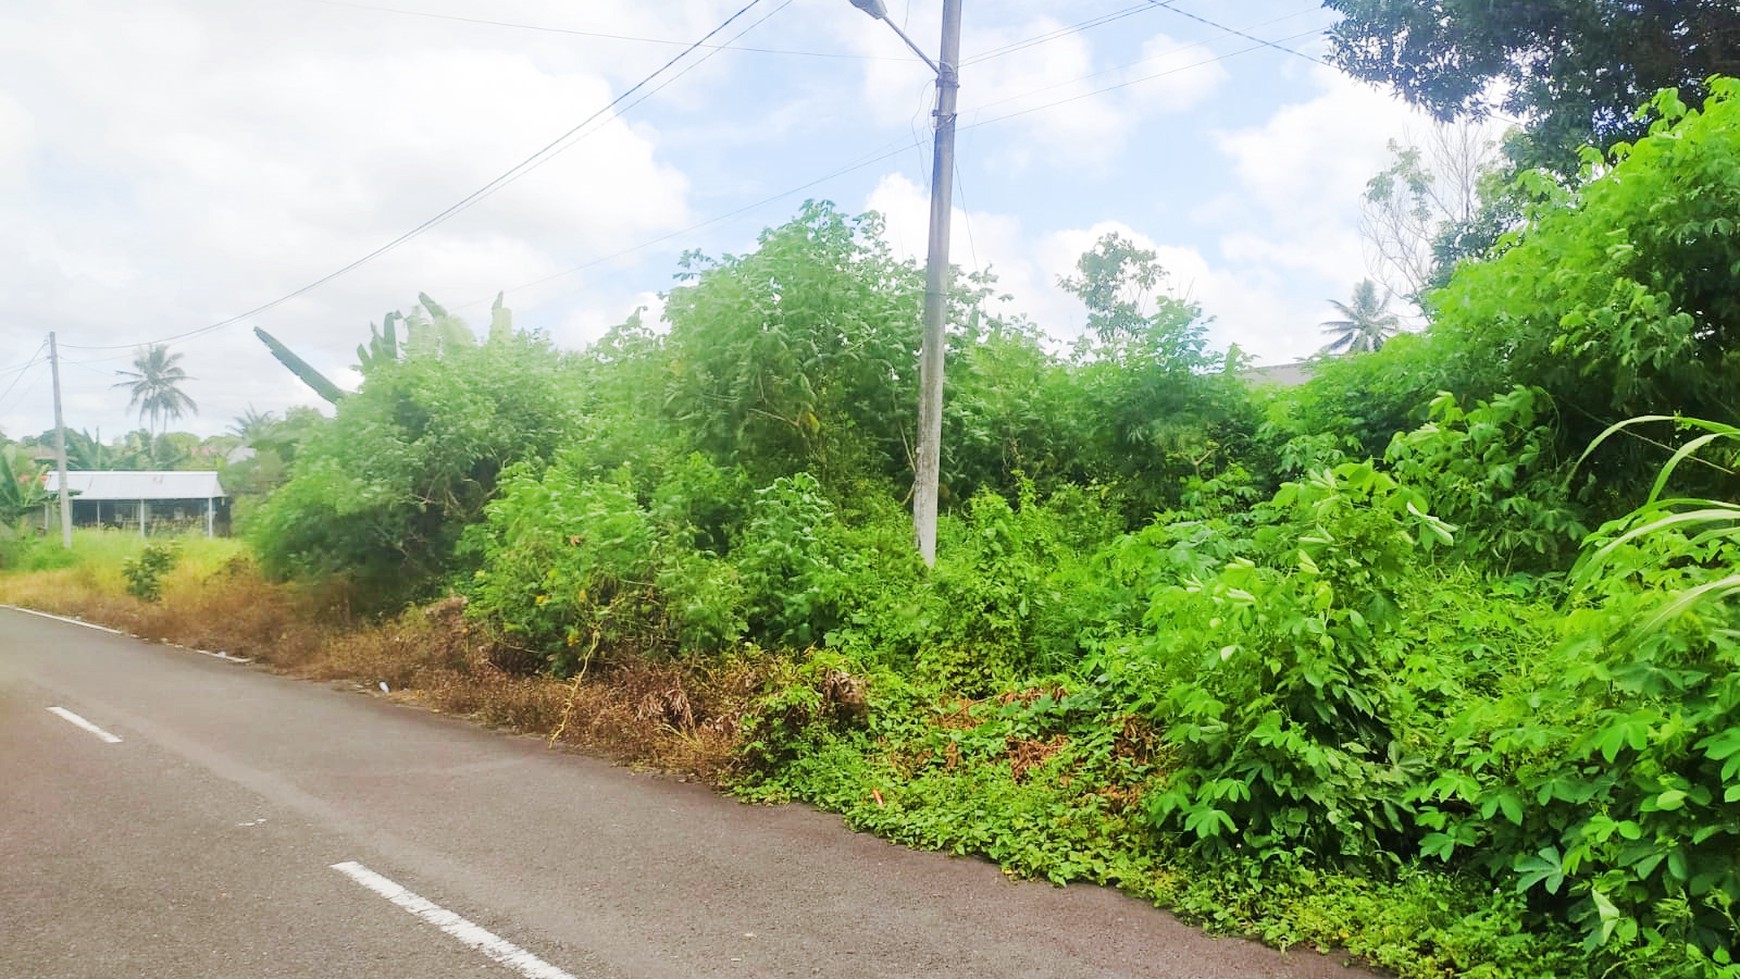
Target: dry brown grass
[(233, 610), (681, 719)]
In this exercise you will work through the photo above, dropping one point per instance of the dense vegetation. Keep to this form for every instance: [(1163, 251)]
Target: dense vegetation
[(1388, 660), (1433, 658)]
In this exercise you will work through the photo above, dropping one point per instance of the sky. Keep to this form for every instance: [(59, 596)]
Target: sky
[(168, 165)]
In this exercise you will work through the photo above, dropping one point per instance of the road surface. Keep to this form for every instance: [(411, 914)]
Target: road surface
[(168, 814)]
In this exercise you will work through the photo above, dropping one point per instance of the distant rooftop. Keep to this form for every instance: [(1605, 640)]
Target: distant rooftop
[(1285, 375), (125, 485)]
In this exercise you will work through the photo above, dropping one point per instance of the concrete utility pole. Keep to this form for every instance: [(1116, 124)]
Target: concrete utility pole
[(936, 277), (60, 446)]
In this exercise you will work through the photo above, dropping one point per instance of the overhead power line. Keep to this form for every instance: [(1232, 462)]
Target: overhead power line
[(17, 368), (1126, 84), (1156, 56), (557, 146), (1057, 34), (1168, 5), (877, 156), (506, 177), (603, 35), (21, 368), (22, 371)]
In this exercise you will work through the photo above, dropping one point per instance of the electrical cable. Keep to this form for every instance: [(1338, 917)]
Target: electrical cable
[(1186, 46), (16, 368), (602, 34), (1057, 33), (106, 375), (967, 217), (23, 394), (698, 62), (1124, 84), (869, 161), (513, 173), (542, 154), (21, 372), (1168, 5)]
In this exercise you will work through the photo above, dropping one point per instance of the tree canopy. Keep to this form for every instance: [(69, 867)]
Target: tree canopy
[(1572, 70)]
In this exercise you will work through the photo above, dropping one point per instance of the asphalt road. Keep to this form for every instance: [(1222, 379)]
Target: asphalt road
[(250, 825)]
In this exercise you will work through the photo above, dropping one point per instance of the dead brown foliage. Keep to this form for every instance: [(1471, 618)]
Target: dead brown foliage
[(1026, 754), (1026, 697), (683, 719)]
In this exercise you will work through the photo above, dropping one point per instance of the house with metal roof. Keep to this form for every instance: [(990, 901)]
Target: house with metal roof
[(1289, 375), (147, 502)]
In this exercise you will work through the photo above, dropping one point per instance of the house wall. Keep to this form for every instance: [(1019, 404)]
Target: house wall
[(162, 516)]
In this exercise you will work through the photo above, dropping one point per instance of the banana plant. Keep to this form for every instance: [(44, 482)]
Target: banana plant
[(21, 486), (321, 384), (428, 330)]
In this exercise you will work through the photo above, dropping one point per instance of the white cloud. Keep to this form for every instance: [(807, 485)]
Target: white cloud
[(1049, 81), (977, 241), (204, 158), (1173, 76), (1294, 215), (1246, 306), (582, 325), (17, 140), (164, 166)]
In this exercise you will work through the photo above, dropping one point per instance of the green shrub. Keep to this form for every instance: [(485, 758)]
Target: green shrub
[(1491, 471), (1605, 784), (145, 573), (1279, 683), (1004, 588), (792, 565), (571, 566), (382, 494)]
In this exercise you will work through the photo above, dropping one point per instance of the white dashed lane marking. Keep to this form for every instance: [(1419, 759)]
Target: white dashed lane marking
[(473, 935), (77, 721)]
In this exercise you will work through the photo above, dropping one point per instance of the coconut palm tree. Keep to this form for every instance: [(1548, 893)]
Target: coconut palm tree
[(251, 425), (1365, 323), (155, 385)]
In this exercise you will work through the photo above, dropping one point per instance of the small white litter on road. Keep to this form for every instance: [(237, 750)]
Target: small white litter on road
[(474, 936), (77, 721)]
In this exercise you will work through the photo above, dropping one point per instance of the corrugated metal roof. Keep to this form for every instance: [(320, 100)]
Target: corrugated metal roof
[(1286, 375), (121, 485)]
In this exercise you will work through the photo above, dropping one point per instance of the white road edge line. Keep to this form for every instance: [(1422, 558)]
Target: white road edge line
[(77, 721), (62, 618), (475, 936), (226, 657)]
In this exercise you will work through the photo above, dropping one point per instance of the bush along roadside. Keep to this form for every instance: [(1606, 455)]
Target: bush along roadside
[(1312, 728), (1281, 722), (1341, 665)]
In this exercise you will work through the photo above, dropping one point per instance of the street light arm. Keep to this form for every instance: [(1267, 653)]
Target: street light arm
[(915, 48), (879, 10)]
